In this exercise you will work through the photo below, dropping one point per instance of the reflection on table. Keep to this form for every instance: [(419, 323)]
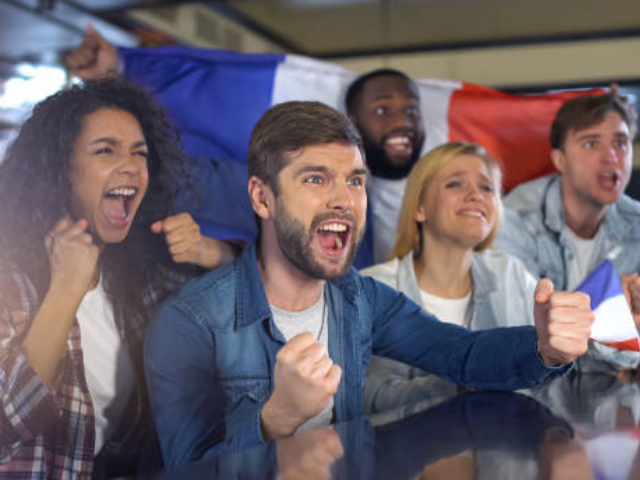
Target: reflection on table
[(577, 427)]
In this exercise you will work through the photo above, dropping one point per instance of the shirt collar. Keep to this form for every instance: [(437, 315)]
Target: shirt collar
[(251, 300)]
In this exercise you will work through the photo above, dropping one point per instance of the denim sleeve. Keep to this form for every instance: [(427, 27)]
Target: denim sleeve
[(515, 239), (496, 359), (187, 398)]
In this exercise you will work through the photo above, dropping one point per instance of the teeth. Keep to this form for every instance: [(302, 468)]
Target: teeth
[(333, 227), (473, 214), (398, 140), (123, 191), (338, 242)]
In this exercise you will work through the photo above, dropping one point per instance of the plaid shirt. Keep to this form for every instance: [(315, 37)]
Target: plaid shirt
[(50, 432)]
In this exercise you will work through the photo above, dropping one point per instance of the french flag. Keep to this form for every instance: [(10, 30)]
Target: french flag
[(613, 325), (216, 97)]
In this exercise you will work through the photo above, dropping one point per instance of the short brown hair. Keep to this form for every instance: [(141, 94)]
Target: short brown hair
[(287, 128), (584, 112)]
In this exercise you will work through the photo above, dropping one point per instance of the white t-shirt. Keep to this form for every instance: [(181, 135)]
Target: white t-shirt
[(449, 310), (385, 200), (582, 249), (316, 321), (107, 365)]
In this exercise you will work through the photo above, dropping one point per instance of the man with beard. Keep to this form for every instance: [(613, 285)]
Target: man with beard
[(385, 107), (278, 341)]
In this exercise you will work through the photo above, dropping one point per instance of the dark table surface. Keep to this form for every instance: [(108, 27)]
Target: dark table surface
[(577, 427)]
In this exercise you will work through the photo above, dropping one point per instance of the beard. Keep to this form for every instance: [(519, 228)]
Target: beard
[(381, 166), (295, 243)]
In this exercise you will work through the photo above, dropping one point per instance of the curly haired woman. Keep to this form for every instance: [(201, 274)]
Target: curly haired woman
[(89, 246)]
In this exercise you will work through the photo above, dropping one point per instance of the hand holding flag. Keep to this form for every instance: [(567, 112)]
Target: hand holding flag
[(563, 323), (614, 324), (631, 289)]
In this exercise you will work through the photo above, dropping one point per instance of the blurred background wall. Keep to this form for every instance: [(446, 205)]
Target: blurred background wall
[(521, 46)]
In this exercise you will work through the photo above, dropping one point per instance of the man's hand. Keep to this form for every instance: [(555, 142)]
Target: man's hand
[(563, 323), (631, 288), (305, 379), (310, 455), (94, 58)]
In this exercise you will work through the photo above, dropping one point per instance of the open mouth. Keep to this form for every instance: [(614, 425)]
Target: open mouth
[(117, 205), (399, 145), (608, 180), (333, 237), (473, 213)]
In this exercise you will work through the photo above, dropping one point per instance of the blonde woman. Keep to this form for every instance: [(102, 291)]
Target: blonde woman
[(449, 218)]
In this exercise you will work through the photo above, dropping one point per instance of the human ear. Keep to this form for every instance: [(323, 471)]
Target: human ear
[(261, 196), (420, 216), (557, 157)]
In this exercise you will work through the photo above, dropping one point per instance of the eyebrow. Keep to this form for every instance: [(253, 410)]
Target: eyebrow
[(109, 140), (587, 136), (322, 169), (386, 96), (113, 141), (462, 173)]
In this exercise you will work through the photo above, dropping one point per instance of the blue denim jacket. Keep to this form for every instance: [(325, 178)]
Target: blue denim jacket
[(211, 352), (534, 231), (502, 296)]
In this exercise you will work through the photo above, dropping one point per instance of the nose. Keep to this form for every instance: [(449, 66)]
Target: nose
[(610, 155), (401, 119), (131, 164), (341, 198), (474, 193)]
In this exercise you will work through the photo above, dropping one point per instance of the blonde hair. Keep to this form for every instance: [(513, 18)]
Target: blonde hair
[(423, 172)]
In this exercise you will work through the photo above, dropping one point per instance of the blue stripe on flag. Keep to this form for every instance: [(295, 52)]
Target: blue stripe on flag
[(215, 97), (601, 284)]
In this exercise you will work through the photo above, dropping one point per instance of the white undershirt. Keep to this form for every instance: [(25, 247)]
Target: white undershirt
[(311, 320), (582, 249), (385, 200), (449, 310), (107, 364)]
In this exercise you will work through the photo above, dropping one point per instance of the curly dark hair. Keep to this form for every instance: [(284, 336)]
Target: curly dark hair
[(35, 189)]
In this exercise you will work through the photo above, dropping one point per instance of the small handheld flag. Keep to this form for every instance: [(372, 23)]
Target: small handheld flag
[(613, 325)]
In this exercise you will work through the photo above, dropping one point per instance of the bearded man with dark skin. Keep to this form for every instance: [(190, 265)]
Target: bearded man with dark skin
[(385, 107)]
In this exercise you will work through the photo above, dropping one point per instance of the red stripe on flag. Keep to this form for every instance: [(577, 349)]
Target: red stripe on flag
[(513, 128), (626, 345)]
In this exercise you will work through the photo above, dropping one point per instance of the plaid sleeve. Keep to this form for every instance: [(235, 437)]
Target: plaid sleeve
[(28, 406)]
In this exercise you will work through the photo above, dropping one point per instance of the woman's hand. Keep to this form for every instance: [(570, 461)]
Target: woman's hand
[(73, 257)]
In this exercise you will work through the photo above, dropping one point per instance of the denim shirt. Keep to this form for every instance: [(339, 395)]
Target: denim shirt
[(534, 231), (502, 296), (211, 351)]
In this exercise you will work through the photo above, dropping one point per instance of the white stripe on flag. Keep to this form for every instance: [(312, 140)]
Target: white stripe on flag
[(435, 98), (303, 78), (613, 322)]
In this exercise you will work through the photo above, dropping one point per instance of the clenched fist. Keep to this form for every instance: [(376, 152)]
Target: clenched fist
[(563, 323), (73, 257), (305, 380)]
